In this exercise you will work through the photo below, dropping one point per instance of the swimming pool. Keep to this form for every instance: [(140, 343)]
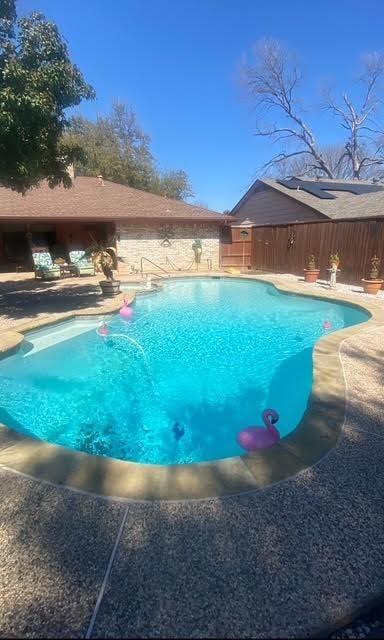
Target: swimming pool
[(208, 354)]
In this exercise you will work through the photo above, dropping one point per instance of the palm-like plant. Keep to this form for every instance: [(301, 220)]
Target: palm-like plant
[(104, 258), (334, 258), (375, 267), (197, 249)]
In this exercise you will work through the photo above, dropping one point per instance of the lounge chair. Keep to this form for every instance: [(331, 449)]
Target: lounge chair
[(84, 265), (43, 265)]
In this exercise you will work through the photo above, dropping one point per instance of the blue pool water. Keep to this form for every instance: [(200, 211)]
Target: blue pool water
[(216, 352)]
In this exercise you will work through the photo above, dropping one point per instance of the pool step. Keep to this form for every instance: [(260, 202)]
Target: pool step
[(54, 335)]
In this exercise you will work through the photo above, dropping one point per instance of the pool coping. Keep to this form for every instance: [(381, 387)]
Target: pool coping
[(316, 434)]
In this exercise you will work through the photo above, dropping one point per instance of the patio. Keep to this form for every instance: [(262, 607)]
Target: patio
[(294, 559), (23, 299)]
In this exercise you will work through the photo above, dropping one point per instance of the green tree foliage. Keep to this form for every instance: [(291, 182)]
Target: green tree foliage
[(173, 184), (38, 82), (116, 147)]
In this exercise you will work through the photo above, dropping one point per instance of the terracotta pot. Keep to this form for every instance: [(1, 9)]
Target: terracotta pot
[(372, 286), (110, 288), (335, 262), (311, 275)]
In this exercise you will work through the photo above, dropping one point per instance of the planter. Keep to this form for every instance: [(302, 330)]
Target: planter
[(110, 288), (372, 286), (311, 275), (335, 263)]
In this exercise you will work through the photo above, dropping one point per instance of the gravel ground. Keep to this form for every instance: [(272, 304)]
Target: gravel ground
[(281, 562), (340, 288), (370, 625)]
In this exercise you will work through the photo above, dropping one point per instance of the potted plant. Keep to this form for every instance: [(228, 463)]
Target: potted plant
[(197, 249), (373, 283), (334, 260), (311, 273), (104, 259)]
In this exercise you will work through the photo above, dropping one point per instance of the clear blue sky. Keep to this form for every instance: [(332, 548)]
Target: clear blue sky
[(176, 62)]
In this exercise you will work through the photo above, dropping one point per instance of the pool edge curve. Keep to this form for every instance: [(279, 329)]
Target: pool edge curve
[(316, 434)]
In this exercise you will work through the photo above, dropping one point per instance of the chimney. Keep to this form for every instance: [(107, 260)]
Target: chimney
[(100, 180)]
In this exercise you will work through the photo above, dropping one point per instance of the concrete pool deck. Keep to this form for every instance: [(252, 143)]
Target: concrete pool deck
[(293, 559), (317, 432)]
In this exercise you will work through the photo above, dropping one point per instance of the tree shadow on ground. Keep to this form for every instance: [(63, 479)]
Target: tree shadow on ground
[(283, 562), (287, 561), (30, 298)]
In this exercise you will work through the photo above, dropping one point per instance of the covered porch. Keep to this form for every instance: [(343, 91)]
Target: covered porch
[(17, 240)]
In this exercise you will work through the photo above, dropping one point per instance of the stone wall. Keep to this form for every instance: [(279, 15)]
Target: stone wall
[(169, 245)]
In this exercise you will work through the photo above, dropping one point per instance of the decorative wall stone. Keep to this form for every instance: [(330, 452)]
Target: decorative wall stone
[(169, 245)]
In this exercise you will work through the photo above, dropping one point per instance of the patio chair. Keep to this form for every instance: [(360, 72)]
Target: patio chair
[(44, 267), (83, 264)]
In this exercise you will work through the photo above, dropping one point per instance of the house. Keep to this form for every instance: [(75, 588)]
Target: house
[(280, 222), (139, 224)]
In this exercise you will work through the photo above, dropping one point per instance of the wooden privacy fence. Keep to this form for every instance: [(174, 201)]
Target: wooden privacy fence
[(285, 249)]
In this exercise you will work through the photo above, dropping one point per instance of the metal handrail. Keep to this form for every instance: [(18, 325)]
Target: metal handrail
[(154, 264), (156, 275)]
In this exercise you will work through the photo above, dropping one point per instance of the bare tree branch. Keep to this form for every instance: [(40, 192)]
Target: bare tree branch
[(355, 120), (281, 157), (273, 80), (371, 130), (304, 165), (373, 70), (274, 130), (369, 162)]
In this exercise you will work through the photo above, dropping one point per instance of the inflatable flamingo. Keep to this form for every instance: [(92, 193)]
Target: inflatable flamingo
[(253, 438), (103, 330), (126, 312)]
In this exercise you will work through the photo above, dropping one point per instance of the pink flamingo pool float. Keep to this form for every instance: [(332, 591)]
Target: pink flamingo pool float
[(253, 438), (103, 330), (126, 312)]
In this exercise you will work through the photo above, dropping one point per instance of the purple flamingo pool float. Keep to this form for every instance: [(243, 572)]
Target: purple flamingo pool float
[(253, 438)]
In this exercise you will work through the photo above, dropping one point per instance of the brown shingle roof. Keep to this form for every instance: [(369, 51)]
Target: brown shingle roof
[(90, 200), (346, 206)]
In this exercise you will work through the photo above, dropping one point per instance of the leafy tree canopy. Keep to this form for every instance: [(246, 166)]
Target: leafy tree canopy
[(38, 82), (117, 148)]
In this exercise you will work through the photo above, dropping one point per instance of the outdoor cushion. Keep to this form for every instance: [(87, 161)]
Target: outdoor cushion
[(44, 266), (43, 260), (84, 264), (78, 257)]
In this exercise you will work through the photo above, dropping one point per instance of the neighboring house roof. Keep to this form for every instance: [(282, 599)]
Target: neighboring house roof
[(344, 205), (91, 199)]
